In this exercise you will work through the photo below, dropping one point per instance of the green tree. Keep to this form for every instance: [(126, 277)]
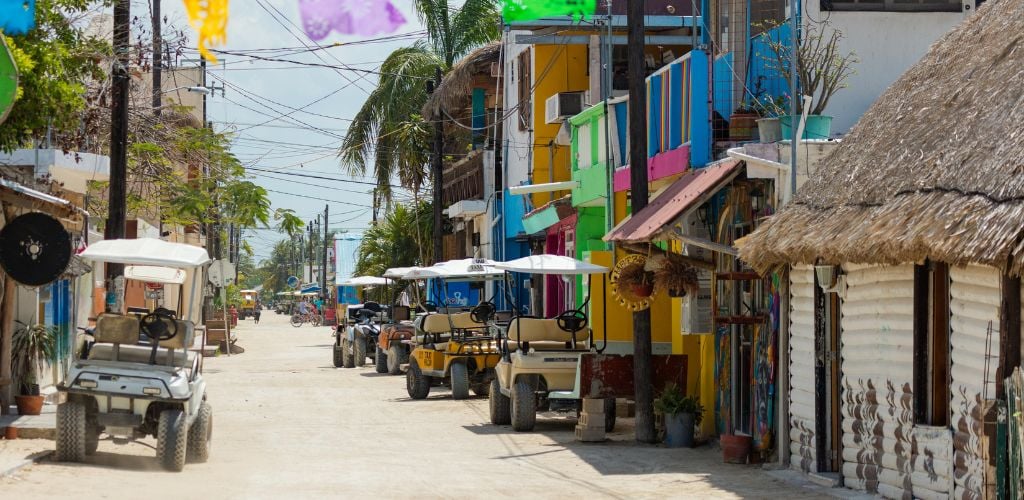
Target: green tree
[(388, 128), (401, 239)]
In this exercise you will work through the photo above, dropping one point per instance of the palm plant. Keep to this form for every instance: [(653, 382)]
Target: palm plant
[(401, 239), (388, 129), (32, 346)]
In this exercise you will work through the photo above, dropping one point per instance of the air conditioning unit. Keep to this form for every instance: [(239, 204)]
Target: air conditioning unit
[(562, 105)]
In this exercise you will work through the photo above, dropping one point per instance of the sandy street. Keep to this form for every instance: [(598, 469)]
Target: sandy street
[(289, 425)]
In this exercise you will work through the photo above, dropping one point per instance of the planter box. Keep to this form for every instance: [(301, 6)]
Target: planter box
[(817, 127)]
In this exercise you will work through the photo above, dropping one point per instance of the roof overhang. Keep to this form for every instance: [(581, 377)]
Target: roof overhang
[(466, 209)]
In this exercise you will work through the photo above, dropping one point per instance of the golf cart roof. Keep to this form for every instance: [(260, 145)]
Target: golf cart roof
[(155, 274), (364, 281), (473, 269), (147, 252), (550, 264), (397, 272), (248, 291)]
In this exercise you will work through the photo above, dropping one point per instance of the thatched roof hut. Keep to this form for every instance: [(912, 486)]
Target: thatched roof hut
[(455, 90), (934, 169)]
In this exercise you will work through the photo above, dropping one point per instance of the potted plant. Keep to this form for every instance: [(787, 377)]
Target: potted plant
[(822, 70), (742, 123), (31, 346), (638, 280), (769, 127), (676, 276), (682, 416)]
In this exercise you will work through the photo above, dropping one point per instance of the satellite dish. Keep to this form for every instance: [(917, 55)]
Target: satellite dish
[(35, 249)]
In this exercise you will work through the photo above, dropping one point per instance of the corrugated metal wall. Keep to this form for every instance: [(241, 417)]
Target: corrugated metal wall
[(974, 307), (877, 368), (801, 368)]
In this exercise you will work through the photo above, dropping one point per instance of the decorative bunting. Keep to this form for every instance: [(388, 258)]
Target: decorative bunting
[(17, 17), (350, 17), (210, 19), (529, 10)]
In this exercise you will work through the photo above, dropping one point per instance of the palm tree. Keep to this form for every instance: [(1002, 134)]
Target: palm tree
[(401, 239), (388, 129)]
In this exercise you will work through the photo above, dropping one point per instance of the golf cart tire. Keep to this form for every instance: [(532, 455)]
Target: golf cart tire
[(347, 359), (200, 434), (524, 407), (460, 380), (481, 389), (380, 361), (359, 350), (609, 414), (395, 358), (499, 403), (417, 384), (92, 434), (172, 440), (71, 432), (338, 361)]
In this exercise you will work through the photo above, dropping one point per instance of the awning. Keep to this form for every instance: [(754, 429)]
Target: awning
[(687, 193), (548, 215), (146, 252)]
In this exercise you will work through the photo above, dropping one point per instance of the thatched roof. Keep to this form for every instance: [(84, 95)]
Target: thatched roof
[(454, 93), (934, 169)]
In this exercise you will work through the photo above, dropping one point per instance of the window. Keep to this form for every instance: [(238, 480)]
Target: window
[(931, 344), (893, 5), (525, 91)]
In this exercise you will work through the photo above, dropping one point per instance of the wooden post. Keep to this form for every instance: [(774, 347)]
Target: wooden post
[(157, 56), (645, 432), (437, 169), (117, 211)]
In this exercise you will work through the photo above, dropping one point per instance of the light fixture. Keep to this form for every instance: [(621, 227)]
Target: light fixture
[(826, 276), (195, 89)]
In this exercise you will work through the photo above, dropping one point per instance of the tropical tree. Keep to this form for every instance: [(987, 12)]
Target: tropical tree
[(388, 129), (288, 223), (401, 239)]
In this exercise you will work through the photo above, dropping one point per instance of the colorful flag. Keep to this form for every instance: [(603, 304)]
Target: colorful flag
[(210, 19), (529, 10), (17, 17), (350, 17)]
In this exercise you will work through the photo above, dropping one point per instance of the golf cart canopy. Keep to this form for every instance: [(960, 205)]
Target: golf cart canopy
[(155, 274), (459, 269), (364, 281), (147, 251), (397, 272), (550, 264)]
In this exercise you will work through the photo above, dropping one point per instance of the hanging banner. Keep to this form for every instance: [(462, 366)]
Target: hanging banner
[(349, 17), (210, 19), (17, 17), (529, 10), (8, 80)]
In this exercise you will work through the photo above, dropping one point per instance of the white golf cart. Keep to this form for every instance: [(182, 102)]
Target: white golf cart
[(142, 376), (540, 356)]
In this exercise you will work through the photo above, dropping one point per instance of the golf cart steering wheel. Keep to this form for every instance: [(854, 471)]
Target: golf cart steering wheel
[(572, 321), (483, 312), (429, 306), (159, 325)]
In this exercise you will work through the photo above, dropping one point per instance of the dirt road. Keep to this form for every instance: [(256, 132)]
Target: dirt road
[(289, 425)]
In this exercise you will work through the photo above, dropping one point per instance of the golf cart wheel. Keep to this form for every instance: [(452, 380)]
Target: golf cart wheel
[(200, 433), (172, 440), (500, 411), (524, 407), (481, 389), (609, 414), (92, 434), (460, 380), (395, 358), (359, 350), (347, 360), (337, 356), (417, 384), (71, 432), (296, 320), (381, 360)]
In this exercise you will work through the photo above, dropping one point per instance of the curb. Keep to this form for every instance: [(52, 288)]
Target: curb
[(32, 459)]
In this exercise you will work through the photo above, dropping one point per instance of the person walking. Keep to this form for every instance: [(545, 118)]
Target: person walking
[(256, 314)]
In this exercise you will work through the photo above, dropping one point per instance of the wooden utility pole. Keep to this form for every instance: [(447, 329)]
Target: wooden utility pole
[(157, 56), (437, 168), (638, 196), (117, 190), (323, 265)]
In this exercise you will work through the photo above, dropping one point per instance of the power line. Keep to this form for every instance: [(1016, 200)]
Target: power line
[(296, 174)]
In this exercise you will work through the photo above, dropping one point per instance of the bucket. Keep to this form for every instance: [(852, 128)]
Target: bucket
[(679, 430), (735, 448), (769, 130), (816, 127)]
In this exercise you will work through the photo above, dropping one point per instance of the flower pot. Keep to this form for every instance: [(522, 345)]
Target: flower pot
[(742, 126), (10, 432), (769, 130), (679, 428), (816, 127), (643, 289), (677, 292), (735, 448), (29, 405)]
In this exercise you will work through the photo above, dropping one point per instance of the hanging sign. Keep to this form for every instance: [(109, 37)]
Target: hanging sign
[(349, 17), (529, 10)]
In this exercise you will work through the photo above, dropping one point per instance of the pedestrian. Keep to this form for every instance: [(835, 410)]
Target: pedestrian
[(256, 315)]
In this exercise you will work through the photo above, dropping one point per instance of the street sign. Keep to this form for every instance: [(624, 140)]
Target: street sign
[(222, 273), (293, 281)]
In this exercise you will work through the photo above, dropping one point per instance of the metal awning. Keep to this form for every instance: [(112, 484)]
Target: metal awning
[(548, 215), (690, 191)]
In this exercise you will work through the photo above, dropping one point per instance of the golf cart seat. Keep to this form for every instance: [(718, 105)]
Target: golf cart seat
[(543, 335), (444, 323), (117, 339)]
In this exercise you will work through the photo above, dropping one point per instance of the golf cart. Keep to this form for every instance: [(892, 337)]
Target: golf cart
[(142, 376), (248, 305), (539, 363), (356, 335), (452, 346), (394, 341)]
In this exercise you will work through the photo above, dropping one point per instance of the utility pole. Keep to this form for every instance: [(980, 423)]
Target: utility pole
[(638, 196), (437, 168), (323, 265), (309, 248), (157, 56), (117, 210)]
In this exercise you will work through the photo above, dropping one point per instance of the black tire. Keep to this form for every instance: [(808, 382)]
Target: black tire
[(396, 356), (347, 359), (200, 434), (380, 361), (609, 414), (417, 384), (71, 432), (359, 350), (524, 407), (500, 405), (460, 380), (172, 440), (92, 434), (296, 320), (337, 356), (481, 389)]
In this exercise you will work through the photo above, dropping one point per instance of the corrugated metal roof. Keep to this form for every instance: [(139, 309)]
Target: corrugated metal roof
[(681, 196)]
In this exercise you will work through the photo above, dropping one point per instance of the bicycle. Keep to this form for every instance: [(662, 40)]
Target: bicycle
[(310, 317)]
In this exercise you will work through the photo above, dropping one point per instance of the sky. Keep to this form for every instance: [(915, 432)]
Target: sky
[(258, 92)]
